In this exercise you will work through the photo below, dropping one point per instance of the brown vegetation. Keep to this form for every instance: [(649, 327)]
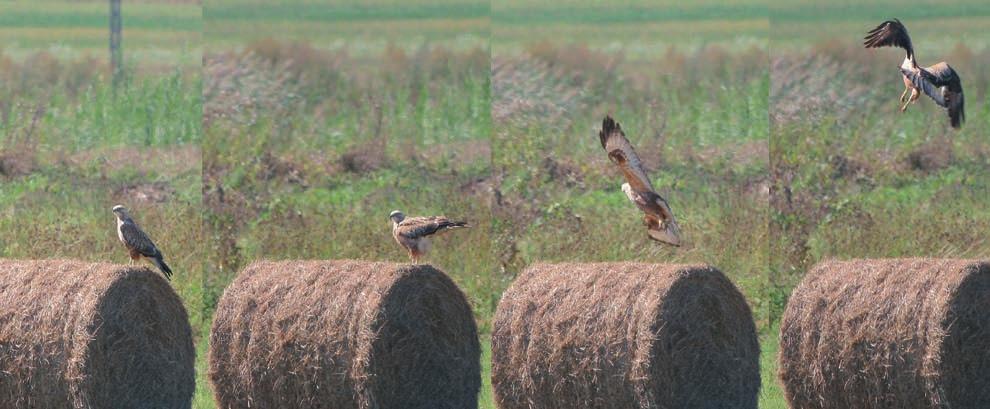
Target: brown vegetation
[(92, 335), (624, 335), (344, 334), (908, 333)]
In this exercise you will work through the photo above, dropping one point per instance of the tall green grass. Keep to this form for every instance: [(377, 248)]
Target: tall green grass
[(356, 110), (72, 147), (852, 176), (315, 175)]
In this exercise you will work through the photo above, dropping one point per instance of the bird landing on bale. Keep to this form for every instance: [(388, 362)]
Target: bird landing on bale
[(939, 81), (413, 233)]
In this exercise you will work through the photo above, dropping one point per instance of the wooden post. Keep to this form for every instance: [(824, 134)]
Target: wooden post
[(116, 62)]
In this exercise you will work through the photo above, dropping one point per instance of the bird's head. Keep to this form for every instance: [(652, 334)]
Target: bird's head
[(120, 211), (396, 216)]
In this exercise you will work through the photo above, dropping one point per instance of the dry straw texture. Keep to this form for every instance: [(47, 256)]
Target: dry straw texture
[(344, 334), (624, 335), (906, 334), (92, 335)]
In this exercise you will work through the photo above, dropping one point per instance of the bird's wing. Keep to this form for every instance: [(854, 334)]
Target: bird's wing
[(924, 81), (621, 152), (942, 75), (416, 227), (135, 239), (667, 230), (890, 33)]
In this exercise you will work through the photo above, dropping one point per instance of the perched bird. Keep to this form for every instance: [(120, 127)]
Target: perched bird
[(137, 242), (413, 233), (659, 220), (940, 81)]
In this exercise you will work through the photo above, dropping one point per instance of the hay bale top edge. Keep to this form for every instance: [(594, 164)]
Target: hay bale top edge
[(624, 266), (596, 271), (269, 278), (656, 279), (903, 269), (275, 267), (89, 269), (899, 260)]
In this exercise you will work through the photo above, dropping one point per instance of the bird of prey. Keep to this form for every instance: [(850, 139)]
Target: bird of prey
[(940, 81), (137, 242), (413, 233), (659, 220)]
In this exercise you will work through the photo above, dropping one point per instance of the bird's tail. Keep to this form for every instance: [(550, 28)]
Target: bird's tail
[(160, 263), (957, 117), (666, 232), (453, 225)]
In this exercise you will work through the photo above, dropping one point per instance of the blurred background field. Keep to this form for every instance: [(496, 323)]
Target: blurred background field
[(363, 28), (320, 118), (852, 176), (689, 85), (642, 30), (165, 32), (317, 119), (72, 146)]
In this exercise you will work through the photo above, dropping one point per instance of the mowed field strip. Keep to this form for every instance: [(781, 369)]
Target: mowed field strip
[(160, 31), (363, 28)]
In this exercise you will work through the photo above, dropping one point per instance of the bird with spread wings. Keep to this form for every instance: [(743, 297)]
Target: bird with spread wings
[(940, 81), (138, 243), (659, 220), (413, 233)]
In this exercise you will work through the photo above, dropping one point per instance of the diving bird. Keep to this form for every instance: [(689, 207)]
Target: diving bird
[(137, 242), (940, 81), (413, 233), (659, 221)]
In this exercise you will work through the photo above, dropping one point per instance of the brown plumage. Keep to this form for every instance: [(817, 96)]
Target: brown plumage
[(660, 223), (940, 82), (138, 243), (413, 233)]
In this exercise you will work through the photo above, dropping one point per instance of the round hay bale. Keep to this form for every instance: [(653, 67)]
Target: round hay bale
[(92, 335), (344, 334), (624, 335), (906, 334)]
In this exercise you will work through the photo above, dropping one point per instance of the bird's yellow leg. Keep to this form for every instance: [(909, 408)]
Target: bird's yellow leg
[(912, 98), (904, 94)]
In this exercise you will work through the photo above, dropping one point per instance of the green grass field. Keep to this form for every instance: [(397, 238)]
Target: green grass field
[(308, 123), (688, 84), (853, 177), (71, 148)]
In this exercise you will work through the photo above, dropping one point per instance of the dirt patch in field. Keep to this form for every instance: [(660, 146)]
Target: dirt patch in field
[(168, 162), (930, 157), (154, 192)]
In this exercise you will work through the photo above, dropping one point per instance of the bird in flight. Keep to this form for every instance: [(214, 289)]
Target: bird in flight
[(137, 242), (413, 233), (659, 220), (940, 81)]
